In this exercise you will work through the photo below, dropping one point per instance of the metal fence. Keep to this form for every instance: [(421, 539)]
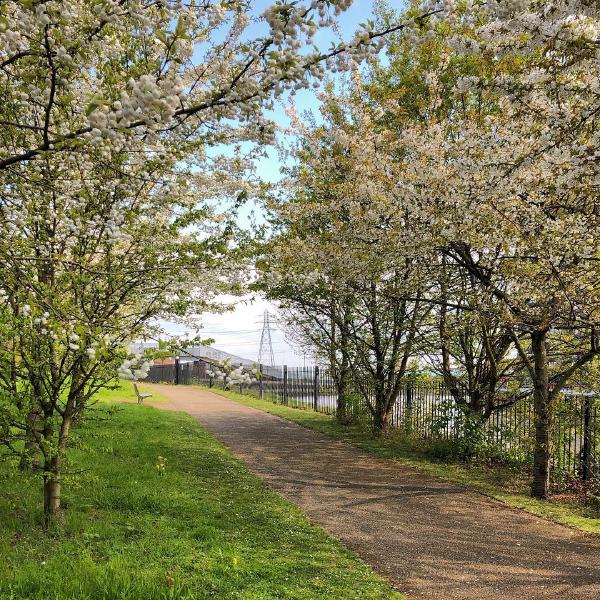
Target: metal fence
[(424, 410)]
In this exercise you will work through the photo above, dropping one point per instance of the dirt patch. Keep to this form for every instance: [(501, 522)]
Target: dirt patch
[(430, 538)]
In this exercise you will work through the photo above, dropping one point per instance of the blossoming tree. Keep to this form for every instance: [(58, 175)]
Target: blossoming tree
[(510, 192), (340, 261), (495, 174), (90, 256), (113, 117)]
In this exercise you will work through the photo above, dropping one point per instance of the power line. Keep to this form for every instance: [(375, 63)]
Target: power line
[(236, 344), (224, 331), (233, 333)]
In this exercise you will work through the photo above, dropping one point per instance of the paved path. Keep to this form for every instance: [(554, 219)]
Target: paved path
[(430, 538)]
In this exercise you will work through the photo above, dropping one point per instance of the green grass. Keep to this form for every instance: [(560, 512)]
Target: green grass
[(123, 392), (507, 485), (206, 529)]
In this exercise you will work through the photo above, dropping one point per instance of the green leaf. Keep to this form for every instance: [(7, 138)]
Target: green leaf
[(92, 106)]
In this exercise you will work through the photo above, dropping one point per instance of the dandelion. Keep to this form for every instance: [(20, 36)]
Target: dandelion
[(161, 466)]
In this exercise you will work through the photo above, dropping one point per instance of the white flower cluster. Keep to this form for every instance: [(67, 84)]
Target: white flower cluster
[(178, 85), (240, 377), (134, 369), (288, 21), (232, 376), (151, 102)]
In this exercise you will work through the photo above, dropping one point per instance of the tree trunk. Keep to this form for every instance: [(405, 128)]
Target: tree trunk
[(380, 421), (475, 404), (53, 470), (342, 409), (30, 458), (381, 414), (540, 486), (52, 489), (341, 367)]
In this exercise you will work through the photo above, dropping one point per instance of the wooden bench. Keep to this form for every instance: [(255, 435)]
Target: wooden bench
[(140, 397)]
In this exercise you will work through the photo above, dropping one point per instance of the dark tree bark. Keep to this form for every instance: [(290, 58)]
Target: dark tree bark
[(342, 412), (540, 486), (53, 470), (30, 458), (339, 361), (52, 489), (381, 416)]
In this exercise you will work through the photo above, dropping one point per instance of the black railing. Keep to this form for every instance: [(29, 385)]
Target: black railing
[(424, 410)]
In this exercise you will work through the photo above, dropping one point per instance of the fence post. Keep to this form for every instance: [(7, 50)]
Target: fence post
[(316, 390), (285, 384), (177, 371), (260, 382), (210, 382), (586, 455), (408, 413)]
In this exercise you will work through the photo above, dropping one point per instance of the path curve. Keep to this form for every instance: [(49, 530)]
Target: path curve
[(430, 538)]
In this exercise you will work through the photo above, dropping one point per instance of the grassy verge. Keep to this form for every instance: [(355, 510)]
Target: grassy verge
[(506, 485), (124, 392), (206, 528)]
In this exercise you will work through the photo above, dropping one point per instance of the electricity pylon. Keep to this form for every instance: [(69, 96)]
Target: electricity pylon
[(266, 345)]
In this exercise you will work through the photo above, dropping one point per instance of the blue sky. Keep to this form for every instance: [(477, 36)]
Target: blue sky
[(239, 331), (348, 23)]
